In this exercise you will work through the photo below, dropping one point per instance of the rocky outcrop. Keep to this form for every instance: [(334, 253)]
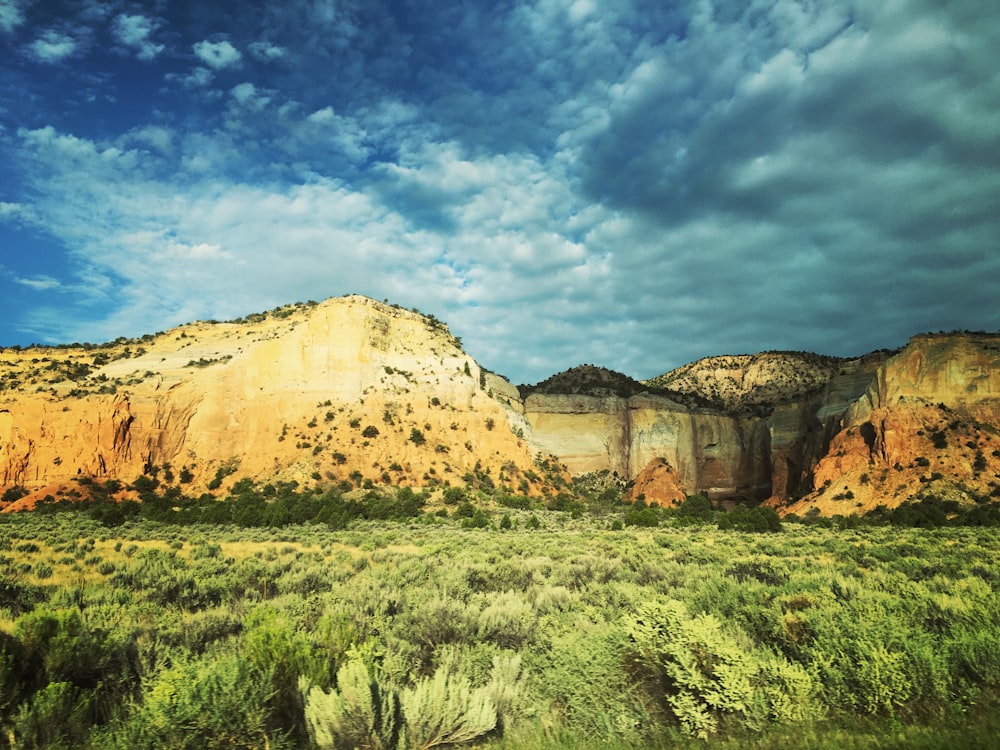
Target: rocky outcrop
[(838, 435), (659, 483), (364, 392), (348, 389), (927, 424), (711, 452)]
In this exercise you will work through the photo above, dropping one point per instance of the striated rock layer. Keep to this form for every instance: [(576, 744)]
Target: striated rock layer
[(798, 429), (353, 389), (345, 388)]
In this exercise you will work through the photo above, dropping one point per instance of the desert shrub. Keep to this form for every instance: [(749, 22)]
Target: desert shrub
[(445, 710), (201, 704), (507, 620), (480, 519), (436, 621), (757, 519), (695, 509), (710, 675), (644, 517), (582, 680), (12, 674), (357, 712), (58, 716), (75, 676)]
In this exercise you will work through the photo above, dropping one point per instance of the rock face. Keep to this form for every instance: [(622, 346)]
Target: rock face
[(349, 388), (355, 390), (838, 435), (660, 482), (926, 425), (710, 452)]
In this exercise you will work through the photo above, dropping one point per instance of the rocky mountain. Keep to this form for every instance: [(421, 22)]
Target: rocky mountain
[(353, 390), (348, 389), (799, 430)]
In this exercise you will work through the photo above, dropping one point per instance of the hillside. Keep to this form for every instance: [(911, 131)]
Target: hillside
[(347, 389), (355, 392), (752, 383)]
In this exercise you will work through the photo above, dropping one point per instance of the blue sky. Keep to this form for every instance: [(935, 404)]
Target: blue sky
[(630, 184)]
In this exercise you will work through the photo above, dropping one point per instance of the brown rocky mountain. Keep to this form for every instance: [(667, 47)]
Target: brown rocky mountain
[(345, 389), (357, 390), (801, 430)]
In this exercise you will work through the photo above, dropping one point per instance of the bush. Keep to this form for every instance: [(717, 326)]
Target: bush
[(711, 675), (356, 713), (444, 710), (645, 517), (213, 703)]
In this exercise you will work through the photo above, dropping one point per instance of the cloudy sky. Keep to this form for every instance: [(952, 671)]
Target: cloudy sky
[(619, 182)]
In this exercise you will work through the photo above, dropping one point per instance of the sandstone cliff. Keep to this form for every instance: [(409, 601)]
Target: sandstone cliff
[(837, 435), (355, 390), (348, 388), (928, 424)]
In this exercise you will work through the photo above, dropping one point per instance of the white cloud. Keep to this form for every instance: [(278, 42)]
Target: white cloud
[(134, 31), (267, 51), (321, 116), (217, 55), (600, 186), (249, 96), (15, 212), (40, 283), (11, 15), (161, 139), (53, 47), (198, 78)]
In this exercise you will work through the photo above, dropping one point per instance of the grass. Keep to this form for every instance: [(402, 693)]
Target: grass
[(842, 605)]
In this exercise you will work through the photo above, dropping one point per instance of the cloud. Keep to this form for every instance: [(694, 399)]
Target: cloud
[(217, 55), (249, 96), (39, 283), (134, 31), (267, 51), (52, 47), (11, 15), (15, 212), (635, 185)]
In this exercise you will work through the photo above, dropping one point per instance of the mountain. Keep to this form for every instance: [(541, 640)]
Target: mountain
[(347, 389), (799, 430), (357, 391)]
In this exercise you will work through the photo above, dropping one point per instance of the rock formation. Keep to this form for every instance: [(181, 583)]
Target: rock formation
[(353, 390), (838, 435), (346, 389)]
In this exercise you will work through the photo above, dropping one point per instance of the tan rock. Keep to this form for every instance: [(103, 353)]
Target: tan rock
[(283, 396)]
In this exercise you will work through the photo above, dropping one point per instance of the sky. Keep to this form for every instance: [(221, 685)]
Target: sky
[(628, 183)]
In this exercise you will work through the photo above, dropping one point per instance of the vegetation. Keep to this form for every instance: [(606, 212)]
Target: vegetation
[(286, 617)]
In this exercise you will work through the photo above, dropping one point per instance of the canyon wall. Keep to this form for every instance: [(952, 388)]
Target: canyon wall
[(355, 390), (348, 388)]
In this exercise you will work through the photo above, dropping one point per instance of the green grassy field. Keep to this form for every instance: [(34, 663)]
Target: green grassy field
[(423, 633)]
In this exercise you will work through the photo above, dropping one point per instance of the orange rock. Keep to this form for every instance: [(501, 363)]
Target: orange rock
[(658, 483)]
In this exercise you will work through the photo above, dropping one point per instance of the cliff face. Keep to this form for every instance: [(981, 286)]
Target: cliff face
[(352, 389), (710, 452), (927, 425), (837, 435), (346, 388)]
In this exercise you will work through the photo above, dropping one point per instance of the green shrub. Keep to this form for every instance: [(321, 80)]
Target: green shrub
[(212, 703), (445, 710), (711, 675), (356, 713)]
